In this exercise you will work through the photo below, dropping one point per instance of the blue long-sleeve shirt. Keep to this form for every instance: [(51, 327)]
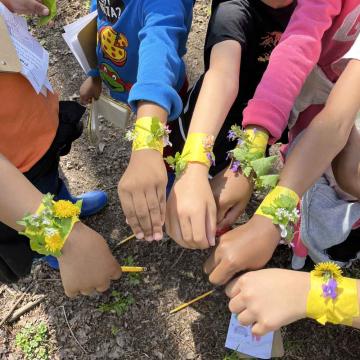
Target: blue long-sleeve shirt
[(140, 49)]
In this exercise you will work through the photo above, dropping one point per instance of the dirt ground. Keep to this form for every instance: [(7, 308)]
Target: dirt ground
[(145, 330)]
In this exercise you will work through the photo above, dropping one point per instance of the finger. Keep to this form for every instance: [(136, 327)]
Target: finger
[(155, 214), (71, 293), (211, 262), (198, 224), (37, 8), (186, 231), (87, 292), (231, 216), (130, 214), (221, 274), (237, 305), (103, 287), (161, 194), (116, 274), (246, 318), (211, 224), (233, 288), (143, 215), (258, 329)]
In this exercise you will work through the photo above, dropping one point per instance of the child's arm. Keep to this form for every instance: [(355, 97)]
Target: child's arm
[(271, 298), (254, 242), (86, 264), (217, 94), (326, 135), (290, 64), (142, 187)]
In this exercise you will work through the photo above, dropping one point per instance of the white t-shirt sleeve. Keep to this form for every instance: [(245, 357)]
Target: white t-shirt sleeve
[(354, 52)]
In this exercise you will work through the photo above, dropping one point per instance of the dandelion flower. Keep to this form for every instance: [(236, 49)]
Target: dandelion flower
[(65, 209)]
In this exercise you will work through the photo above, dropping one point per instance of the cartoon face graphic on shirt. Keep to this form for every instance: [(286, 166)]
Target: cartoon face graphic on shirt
[(113, 45), (112, 79), (111, 9)]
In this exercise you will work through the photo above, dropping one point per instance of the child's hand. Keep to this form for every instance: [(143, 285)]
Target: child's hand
[(191, 209), (87, 264), (90, 89), (248, 247), (232, 192), (269, 299), (27, 7), (142, 192)]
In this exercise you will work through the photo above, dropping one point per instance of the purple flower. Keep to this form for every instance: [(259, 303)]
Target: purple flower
[(329, 289), (231, 135), (211, 158), (240, 141), (235, 166)]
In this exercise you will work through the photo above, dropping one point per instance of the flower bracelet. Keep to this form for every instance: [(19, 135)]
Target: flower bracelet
[(332, 297), (249, 157), (149, 133), (50, 226), (198, 148), (280, 205)]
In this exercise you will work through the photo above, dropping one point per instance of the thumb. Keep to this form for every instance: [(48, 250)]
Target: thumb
[(259, 329), (211, 223), (231, 216), (37, 8)]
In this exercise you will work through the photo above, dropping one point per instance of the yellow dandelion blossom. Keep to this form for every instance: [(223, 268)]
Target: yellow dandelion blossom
[(54, 242), (328, 268), (65, 209)]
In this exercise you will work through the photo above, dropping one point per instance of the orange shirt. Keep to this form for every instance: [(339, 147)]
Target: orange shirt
[(28, 122)]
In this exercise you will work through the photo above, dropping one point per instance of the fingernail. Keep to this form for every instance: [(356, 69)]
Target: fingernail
[(158, 236), (149, 238), (45, 12), (140, 236), (212, 241)]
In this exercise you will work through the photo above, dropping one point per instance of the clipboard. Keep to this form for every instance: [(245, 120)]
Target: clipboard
[(9, 60)]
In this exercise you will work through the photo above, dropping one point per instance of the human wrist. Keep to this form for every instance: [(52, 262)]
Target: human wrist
[(73, 236), (195, 168), (280, 206), (198, 149), (50, 226), (332, 297)]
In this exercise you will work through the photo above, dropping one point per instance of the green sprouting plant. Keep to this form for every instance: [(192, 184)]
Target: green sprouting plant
[(133, 278), (232, 356), (119, 305), (114, 330), (33, 341)]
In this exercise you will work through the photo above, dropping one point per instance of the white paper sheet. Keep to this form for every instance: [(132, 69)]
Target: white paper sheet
[(240, 339), (33, 57)]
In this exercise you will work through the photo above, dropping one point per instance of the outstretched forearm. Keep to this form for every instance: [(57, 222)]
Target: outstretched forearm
[(219, 89), (18, 196), (326, 136)]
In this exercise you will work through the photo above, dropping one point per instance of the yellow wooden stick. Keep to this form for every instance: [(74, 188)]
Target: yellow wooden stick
[(185, 305), (127, 239), (132, 269)]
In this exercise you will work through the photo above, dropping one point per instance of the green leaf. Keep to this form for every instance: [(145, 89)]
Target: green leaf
[(51, 5), (267, 182), (263, 166)]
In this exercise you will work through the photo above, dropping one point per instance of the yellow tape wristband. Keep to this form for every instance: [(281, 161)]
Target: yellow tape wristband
[(197, 148), (148, 133), (273, 196), (341, 310), (51, 225), (258, 138)]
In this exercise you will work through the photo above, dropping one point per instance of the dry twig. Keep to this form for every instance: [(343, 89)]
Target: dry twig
[(71, 332), (17, 302), (23, 310)]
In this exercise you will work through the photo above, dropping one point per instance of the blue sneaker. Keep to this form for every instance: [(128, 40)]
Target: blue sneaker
[(93, 202)]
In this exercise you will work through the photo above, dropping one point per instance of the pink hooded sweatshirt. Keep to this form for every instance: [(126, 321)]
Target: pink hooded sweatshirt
[(320, 32)]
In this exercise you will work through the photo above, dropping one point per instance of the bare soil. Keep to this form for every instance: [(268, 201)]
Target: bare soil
[(146, 330)]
